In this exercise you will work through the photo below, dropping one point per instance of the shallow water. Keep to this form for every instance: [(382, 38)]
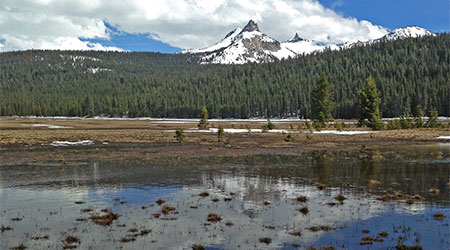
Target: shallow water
[(261, 201)]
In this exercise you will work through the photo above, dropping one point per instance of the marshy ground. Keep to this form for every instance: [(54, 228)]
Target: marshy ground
[(156, 138), (142, 189)]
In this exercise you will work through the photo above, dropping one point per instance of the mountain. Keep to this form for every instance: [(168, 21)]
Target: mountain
[(408, 32), (62, 83), (250, 45), (245, 45)]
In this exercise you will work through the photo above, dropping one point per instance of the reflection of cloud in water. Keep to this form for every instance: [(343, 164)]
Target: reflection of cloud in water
[(282, 212), (430, 233), (47, 203)]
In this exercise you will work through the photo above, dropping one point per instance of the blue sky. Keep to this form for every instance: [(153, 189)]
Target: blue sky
[(430, 14), (189, 24), (134, 42)]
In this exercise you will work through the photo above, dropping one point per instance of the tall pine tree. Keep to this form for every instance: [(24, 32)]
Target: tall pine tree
[(369, 106), (322, 102)]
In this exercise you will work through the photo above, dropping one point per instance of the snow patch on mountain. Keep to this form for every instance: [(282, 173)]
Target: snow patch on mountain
[(250, 45), (227, 41), (408, 32)]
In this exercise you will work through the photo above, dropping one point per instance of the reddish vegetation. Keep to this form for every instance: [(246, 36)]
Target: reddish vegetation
[(214, 217), (438, 216), (302, 198), (167, 209), (104, 220)]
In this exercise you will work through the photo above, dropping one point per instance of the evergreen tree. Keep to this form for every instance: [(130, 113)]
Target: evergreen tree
[(409, 72), (418, 122), (369, 106), (322, 102), (88, 107), (432, 119), (203, 124), (179, 134), (269, 125), (220, 133)]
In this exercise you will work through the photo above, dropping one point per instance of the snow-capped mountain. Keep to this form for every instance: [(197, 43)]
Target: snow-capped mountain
[(243, 46), (250, 45), (410, 31)]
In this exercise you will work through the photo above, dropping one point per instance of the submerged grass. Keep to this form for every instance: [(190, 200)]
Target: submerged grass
[(302, 198), (212, 217), (166, 209), (265, 240), (21, 246), (104, 220)]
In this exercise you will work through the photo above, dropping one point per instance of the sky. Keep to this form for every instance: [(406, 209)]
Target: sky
[(168, 26)]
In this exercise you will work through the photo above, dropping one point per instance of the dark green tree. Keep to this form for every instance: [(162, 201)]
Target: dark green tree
[(322, 102), (419, 114), (88, 107), (432, 119), (220, 133), (179, 134), (203, 124), (269, 125), (369, 106)]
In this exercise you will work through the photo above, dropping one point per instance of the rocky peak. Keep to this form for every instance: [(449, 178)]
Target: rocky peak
[(251, 26), (296, 39)]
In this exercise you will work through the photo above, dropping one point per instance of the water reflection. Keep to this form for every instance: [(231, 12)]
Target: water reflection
[(254, 196)]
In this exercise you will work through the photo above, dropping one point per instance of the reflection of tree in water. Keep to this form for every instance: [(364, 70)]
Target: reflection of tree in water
[(413, 170), (264, 176), (370, 166), (255, 188), (323, 166)]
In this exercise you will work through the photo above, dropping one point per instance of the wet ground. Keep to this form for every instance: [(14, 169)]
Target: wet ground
[(361, 199)]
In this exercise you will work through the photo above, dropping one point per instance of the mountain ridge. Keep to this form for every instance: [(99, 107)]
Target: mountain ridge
[(250, 45)]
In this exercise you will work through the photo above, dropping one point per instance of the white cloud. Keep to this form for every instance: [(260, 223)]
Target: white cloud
[(58, 24)]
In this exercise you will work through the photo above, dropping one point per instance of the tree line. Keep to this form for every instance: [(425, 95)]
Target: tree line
[(368, 109), (407, 73)]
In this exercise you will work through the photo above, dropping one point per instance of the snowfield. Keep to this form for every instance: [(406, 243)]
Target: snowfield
[(280, 131), (50, 126), (68, 143), (235, 47)]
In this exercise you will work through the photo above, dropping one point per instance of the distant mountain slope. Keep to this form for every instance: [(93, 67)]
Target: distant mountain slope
[(250, 45), (408, 32), (408, 72)]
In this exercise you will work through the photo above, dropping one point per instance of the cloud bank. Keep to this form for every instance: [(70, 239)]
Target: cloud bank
[(65, 24)]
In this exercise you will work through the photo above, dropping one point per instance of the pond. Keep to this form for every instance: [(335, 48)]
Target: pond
[(364, 199)]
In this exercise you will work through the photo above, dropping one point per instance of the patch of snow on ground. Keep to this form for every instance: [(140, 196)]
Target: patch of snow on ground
[(50, 126), (235, 131), (175, 122), (443, 137), (335, 132), (281, 131), (69, 143), (95, 70)]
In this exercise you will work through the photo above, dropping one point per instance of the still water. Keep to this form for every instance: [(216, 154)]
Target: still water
[(387, 197)]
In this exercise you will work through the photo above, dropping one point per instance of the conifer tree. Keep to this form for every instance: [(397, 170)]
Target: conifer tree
[(432, 119), (203, 124), (88, 107), (179, 134), (220, 133), (322, 102), (369, 106), (418, 122)]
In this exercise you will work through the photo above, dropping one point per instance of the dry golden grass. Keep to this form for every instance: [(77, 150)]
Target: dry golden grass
[(157, 139)]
